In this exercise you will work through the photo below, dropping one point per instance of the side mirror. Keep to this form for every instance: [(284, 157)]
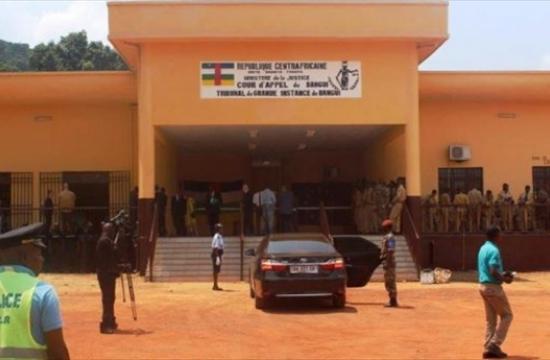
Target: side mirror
[(250, 252)]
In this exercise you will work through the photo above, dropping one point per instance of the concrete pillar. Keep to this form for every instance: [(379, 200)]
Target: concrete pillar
[(146, 156), (412, 224)]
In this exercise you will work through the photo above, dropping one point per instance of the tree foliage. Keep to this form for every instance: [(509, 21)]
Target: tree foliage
[(73, 52)]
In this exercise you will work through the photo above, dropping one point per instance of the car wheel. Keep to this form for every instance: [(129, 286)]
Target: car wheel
[(339, 300), (260, 303)]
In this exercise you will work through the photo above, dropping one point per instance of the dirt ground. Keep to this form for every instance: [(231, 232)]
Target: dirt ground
[(179, 321)]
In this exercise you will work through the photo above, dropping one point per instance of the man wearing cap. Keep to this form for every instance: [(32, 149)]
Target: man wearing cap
[(388, 262), (30, 318), (217, 254), (491, 277)]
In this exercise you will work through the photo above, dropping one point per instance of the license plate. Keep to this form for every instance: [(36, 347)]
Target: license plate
[(304, 269)]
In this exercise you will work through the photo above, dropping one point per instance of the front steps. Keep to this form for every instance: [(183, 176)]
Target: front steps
[(188, 259)]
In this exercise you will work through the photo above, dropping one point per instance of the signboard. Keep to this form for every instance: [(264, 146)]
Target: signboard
[(280, 79)]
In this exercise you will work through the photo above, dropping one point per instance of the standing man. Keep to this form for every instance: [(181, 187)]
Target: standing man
[(107, 273), (397, 207), (67, 203), (475, 200), (488, 209), (134, 199), (445, 203), (388, 262), (460, 202), (30, 323), (217, 254), (506, 202), (433, 202), (213, 209), (47, 208), (491, 277), (268, 201), (286, 209), (526, 201), (177, 209), (162, 201)]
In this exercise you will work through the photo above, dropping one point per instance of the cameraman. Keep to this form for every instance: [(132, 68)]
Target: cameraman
[(491, 276), (107, 272)]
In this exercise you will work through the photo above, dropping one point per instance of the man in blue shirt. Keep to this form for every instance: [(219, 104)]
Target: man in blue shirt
[(30, 318), (491, 276)]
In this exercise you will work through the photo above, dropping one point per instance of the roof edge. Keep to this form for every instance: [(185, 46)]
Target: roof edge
[(276, 2)]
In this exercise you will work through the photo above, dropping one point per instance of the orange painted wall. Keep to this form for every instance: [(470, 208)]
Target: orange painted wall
[(389, 84), (384, 159), (503, 147), (78, 138)]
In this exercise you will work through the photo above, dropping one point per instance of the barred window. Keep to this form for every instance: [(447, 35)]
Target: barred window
[(541, 178), (452, 179)]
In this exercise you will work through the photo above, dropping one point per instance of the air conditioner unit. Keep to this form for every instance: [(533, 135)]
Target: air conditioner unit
[(459, 153)]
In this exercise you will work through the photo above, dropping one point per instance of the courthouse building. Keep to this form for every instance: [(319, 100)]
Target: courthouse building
[(274, 93)]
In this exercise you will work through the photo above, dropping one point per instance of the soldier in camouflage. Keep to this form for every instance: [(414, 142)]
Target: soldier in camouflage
[(388, 262)]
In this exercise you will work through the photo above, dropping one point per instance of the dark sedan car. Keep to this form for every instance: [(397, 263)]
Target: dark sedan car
[(310, 265)]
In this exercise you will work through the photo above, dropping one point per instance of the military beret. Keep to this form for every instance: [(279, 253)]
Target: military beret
[(387, 222), (24, 235)]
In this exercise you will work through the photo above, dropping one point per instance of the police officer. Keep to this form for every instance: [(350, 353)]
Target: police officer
[(388, 262), (107, 273), (30, 317), (217, 254), (506, 202), (461, 203), (445, 203)]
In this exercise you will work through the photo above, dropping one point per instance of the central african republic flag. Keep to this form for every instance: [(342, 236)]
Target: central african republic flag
[(218, 74)]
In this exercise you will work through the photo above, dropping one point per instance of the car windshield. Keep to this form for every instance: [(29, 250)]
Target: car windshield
[(299, 246)]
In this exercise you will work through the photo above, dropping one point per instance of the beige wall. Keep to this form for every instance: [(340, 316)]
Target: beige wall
[(507, 149), (384, 159)]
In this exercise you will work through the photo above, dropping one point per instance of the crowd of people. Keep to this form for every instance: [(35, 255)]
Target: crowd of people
[(469, 210), (263, 212), (373, 202)]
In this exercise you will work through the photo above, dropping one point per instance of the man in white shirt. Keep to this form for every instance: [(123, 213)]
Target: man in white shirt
[(217, 254), (268, 201)]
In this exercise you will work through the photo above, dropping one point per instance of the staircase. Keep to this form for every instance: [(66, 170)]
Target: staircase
[(406, 268), (188, 259)]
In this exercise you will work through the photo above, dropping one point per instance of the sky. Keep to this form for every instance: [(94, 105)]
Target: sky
[(484, 35)]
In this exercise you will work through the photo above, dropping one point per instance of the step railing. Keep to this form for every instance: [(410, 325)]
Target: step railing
[(412, 235)]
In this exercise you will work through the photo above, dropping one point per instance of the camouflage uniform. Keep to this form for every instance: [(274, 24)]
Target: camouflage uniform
[(526, 202), (475, 198), (506, 203), (461, 202), (488, 209), (397, 207), (388, 264), (445, 203), (432, 204), (371, 224)]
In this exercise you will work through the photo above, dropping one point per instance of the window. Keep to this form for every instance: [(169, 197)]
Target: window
[(541, 178), (465, 179)]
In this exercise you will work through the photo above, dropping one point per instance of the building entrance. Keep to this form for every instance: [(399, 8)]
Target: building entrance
[(316, 165)]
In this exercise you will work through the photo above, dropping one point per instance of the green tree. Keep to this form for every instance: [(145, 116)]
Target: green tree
[(71, 53), (72, 50), (45, 58)]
